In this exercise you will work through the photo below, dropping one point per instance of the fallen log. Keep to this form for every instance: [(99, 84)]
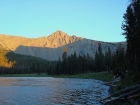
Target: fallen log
[(134, 96), (121, 91), (124, 96), (129, 93)]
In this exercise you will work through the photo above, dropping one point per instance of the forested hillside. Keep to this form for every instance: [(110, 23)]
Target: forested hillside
[(11, 63)]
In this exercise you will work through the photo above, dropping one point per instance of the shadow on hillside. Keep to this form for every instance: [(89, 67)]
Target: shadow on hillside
[(32, 63), (81, 47)]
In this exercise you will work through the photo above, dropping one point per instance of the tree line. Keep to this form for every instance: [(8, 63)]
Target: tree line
[(77, 64)]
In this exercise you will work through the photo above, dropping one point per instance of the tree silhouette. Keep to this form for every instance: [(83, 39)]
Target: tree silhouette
[(131, 27)]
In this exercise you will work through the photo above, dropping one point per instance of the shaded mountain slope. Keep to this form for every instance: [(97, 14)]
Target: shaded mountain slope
[(51, 47)]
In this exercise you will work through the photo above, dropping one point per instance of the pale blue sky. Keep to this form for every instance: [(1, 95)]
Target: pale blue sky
[(93, 19)]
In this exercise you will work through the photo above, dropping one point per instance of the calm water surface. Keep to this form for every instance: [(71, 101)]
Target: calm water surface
[(50, 91)]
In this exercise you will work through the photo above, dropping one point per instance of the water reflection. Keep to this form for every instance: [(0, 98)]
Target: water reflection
[(50, 91)]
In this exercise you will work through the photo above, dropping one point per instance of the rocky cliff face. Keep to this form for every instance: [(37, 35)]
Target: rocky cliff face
[(51, 47)]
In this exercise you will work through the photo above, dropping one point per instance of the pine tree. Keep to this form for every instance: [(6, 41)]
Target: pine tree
[(80, 64), (96, 59), (131, 27), (100, 58), (108, 60), (58, 67), (64, 62)]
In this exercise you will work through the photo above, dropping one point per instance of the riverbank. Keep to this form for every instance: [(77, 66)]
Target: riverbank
[(25, 75), (104, 76)]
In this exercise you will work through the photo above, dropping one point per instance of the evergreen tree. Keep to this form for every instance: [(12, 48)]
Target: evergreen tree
[(58, 66), (131, 27), (64, 62), (119, 59), (69, 66), (108, 59), (97, 64), (80, 63), (100, 58)]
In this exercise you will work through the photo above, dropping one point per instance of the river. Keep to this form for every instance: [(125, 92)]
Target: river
[(51, 91)]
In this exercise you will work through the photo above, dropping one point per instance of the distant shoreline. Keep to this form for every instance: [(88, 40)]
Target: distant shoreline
[(25, 75), (104, 76)]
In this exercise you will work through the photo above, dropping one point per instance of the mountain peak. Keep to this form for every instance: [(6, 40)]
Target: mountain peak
[(58, 33)]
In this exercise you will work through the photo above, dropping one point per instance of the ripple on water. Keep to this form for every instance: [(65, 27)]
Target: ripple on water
[(48, 90)]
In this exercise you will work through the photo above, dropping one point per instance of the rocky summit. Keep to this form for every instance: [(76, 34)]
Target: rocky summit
[(51, 47)]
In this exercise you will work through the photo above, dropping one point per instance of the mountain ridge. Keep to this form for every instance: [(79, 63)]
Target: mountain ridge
[(51, 47)]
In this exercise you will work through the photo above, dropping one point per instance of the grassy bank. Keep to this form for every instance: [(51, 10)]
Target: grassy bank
[(25, 75), (104, 76)]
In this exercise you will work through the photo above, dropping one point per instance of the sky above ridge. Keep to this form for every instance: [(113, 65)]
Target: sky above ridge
[(93, 19)]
